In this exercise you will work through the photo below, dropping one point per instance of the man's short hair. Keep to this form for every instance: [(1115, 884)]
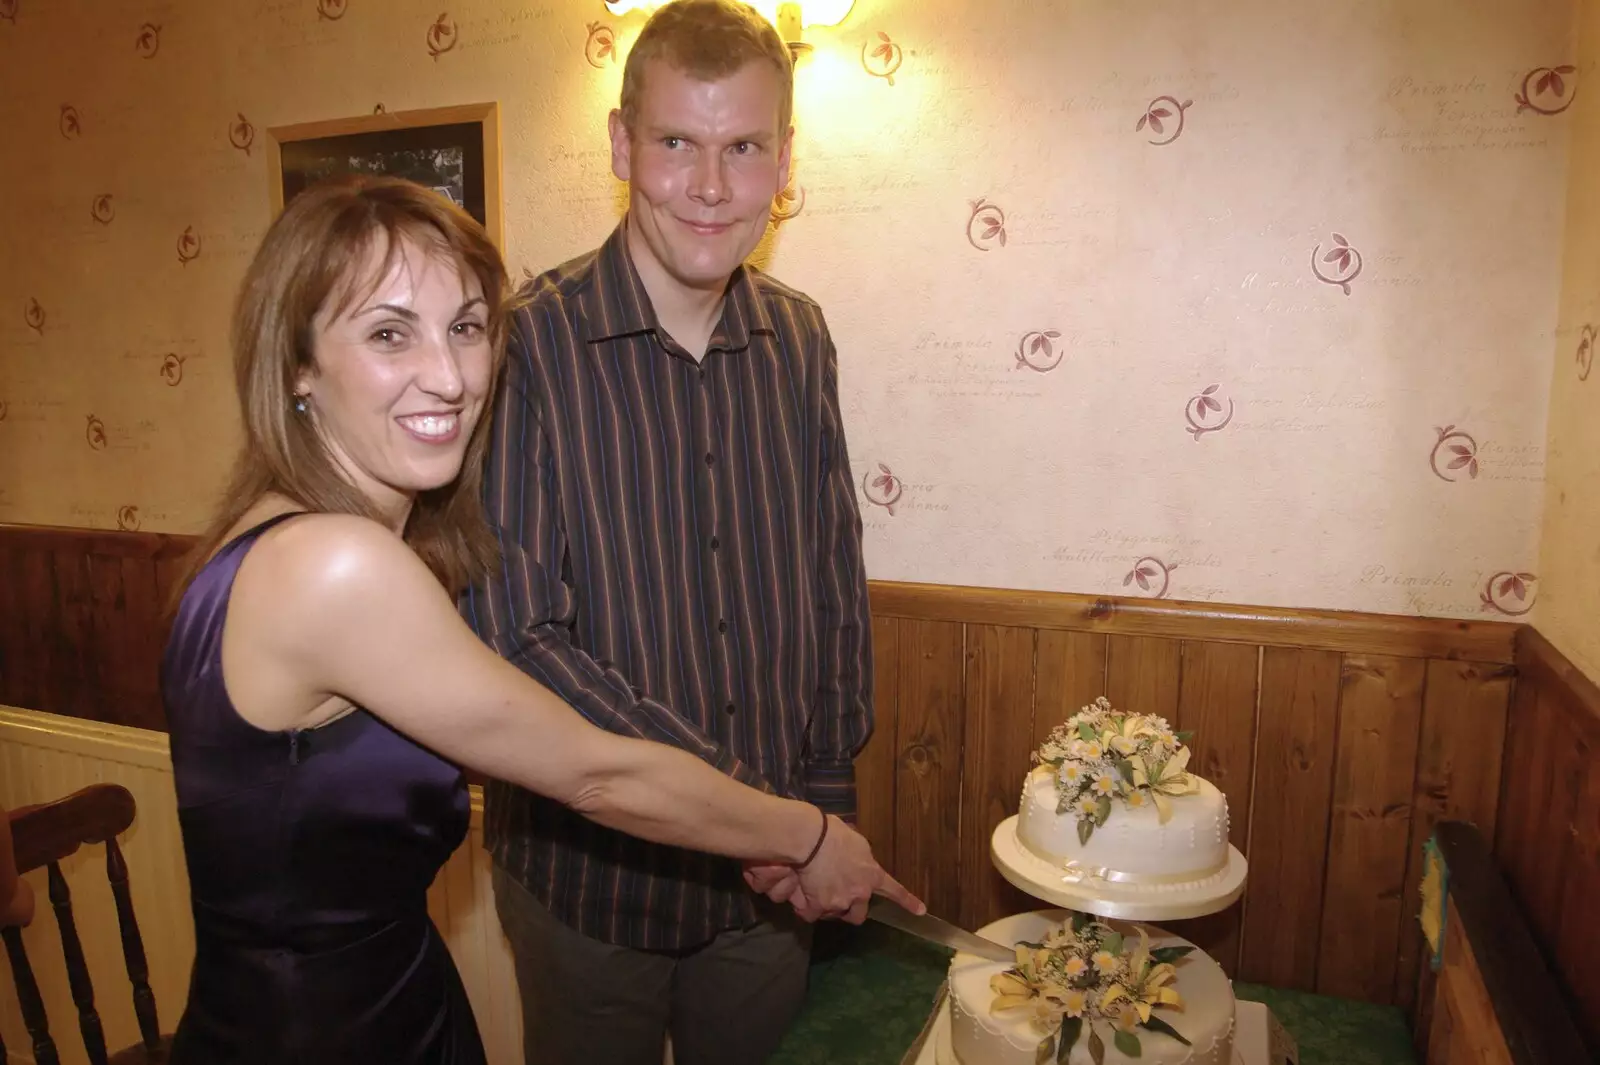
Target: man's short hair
[(708, 40)]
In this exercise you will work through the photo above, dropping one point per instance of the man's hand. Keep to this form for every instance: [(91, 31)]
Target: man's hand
[(781, 883)]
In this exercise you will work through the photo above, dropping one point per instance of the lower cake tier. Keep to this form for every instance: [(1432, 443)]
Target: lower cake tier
[(981, 1036)]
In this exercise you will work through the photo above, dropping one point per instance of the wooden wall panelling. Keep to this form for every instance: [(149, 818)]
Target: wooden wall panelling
[(1464, 711), (85, 620), (1577, 943), (142, 597), (995, 756), (929, 731), (42, 628), (128, 655), (80, 686), (1560, 764), (1069, 675), (875, 766), (1218, 702), (1525, 772), (1547, 837), (19, 667), (1142, 674), (1380, 715), (1289, 817)]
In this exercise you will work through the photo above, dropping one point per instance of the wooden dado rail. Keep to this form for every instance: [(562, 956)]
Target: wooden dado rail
[(1339, 739)]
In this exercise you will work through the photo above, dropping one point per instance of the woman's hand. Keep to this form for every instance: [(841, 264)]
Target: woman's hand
[(841, 880)]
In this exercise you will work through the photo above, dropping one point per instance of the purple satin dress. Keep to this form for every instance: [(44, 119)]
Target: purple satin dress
[(310, 854)]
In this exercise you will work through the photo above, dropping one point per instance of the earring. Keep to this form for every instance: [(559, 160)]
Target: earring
[(300, 404)]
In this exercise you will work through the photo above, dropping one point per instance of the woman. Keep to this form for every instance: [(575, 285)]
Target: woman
[(321, 688)]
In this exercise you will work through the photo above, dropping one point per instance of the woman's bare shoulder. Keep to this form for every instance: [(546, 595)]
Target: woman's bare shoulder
[(314, 553)]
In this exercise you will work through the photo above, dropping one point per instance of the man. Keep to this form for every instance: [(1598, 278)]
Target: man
[(683, 562)]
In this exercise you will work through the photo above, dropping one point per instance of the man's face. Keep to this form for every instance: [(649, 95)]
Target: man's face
[(703, 163)]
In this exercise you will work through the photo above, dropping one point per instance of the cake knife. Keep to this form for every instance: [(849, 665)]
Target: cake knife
[(937, 931)]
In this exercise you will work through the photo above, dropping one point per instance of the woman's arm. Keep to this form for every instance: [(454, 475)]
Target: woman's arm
[(16, 894), (352, 612)]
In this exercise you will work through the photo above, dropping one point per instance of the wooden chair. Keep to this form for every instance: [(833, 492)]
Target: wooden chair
[(42, 836)]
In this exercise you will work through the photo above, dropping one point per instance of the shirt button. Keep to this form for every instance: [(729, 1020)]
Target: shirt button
[(710, 459), (722, 626), (715, 543), (728, 709)]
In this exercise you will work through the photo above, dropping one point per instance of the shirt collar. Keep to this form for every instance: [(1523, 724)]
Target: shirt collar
[(617, 305)]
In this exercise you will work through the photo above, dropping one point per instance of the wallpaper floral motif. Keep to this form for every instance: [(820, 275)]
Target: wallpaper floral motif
[(1237, 301), (1569, 559)]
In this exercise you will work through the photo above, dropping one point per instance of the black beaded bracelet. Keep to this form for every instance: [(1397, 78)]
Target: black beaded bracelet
[(820, 838)]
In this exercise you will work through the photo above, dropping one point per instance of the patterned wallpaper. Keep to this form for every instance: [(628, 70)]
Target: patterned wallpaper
[(1230, 300), (1570, 559)]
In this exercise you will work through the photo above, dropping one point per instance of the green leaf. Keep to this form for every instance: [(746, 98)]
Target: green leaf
[(1113, 943), (1097, 1048), (1156, 1024), (1185, 736), (1128, 1043), (1163, 955), (1067, 1038), (1085, 830), (1124, 767), (1046, 1051), (1102, 810), (1080, 921), (1086, 732)]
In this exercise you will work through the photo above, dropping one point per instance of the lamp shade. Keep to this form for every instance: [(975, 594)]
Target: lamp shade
[(812, 12)]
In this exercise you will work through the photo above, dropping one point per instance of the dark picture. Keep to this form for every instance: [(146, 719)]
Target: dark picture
[(454, 151), (447, 159)]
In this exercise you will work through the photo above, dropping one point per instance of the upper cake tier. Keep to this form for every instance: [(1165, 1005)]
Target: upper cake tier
[(1111, 796)]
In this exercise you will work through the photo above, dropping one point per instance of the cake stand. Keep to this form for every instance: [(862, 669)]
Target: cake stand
[(1133, 902)]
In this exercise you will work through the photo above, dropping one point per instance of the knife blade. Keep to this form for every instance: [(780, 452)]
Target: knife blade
[(937, 931)]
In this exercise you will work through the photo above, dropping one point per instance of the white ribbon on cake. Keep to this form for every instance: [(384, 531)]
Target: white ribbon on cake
[(1077, 872)]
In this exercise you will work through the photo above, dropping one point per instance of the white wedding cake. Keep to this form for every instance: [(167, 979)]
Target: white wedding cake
[(1109, 808), (1111, 796), (1139, 993)]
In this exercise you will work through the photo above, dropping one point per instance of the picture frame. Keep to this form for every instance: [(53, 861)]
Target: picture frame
[(454, 149)]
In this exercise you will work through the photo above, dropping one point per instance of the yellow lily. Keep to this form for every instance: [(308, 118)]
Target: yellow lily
[(1141, 954), (1171, 777), (1009, 984)]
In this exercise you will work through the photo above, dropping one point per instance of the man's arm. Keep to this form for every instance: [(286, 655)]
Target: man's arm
[(525, 610), (841, 721)]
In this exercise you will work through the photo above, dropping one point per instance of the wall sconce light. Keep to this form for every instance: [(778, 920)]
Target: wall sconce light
[(791, 17)]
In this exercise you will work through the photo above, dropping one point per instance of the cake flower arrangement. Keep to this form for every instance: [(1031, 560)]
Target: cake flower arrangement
[(1084, 974), (1100, 754)]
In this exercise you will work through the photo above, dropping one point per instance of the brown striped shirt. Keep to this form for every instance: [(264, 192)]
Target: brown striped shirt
[(682, 562)]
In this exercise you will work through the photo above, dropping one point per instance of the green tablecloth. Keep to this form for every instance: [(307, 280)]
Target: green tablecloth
[(872, 988)]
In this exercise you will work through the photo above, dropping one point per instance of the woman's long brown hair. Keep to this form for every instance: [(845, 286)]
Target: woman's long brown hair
[(312, 258)]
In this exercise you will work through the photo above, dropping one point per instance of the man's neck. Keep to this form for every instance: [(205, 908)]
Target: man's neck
[(689, 315)]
